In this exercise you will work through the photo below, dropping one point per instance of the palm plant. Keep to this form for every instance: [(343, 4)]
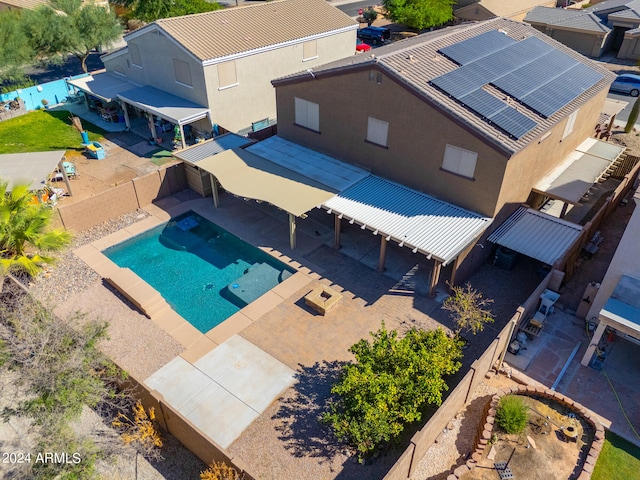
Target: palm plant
[(25, 237)]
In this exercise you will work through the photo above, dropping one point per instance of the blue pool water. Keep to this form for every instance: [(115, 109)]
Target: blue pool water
[(204, 272)]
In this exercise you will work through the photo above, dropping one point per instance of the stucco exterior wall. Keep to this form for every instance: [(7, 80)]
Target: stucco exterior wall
[(625, 261), (417, 137), (539, 158), (157, 52), (254, 97), (630, 48), (587, 44)]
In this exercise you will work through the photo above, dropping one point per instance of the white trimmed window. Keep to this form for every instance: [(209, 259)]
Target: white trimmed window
[(571, 121), (227, 76), (377, 131), (182, 71), (460, 161), (309, 50), (307, 114), (136, 59)]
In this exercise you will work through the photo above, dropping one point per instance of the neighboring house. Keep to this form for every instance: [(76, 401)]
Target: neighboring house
[(223, 61), (484, 116), (487, 9), (31, 4), (617, 302), (612, 25), (21, 4)]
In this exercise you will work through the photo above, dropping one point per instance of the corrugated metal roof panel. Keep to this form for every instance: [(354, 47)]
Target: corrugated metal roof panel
[(536, 235), (315, 165), (413, 219), (209, 148), (234, 30)]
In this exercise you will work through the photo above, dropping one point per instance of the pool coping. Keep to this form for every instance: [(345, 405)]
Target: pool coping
[(137, 291)]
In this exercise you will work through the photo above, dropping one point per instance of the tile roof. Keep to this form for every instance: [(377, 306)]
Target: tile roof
[(500, 8), (416, 61), (550, 15), (29, 4), (234, 30), (587, 21), (628, 14)]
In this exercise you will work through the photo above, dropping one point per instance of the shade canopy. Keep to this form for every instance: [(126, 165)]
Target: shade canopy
[(32, 168), (248, 175), (579, 171)]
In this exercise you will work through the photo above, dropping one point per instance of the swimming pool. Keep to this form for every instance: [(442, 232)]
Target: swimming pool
[(204, 272)]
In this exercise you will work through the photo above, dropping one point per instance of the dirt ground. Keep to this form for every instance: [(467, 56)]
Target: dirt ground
[(543, 451), (128, 157)]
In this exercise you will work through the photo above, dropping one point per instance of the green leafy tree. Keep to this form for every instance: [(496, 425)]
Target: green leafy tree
[(25, 236), (370, 16), (151, 10), (468, 309), (16, 50), (419, 14), (68, 26), (390, 382), (633, 116)]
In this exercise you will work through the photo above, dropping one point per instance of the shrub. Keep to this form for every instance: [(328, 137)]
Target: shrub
[(512, 414), (219, 471)]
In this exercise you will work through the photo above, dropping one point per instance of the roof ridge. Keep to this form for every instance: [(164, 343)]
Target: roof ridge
[(219, 11)]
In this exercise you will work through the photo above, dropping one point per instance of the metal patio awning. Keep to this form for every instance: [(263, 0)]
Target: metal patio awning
[(536, 235), (415, 220), (579, 171), (105, 85), (164, 105), (250, 176)]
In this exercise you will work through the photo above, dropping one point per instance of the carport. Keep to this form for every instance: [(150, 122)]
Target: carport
[(536, 235)]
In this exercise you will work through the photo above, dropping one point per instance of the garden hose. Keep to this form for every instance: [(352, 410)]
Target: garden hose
[(619, 402)]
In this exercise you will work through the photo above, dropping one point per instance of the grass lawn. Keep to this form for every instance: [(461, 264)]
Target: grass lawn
[(618, 460), (43, 130)]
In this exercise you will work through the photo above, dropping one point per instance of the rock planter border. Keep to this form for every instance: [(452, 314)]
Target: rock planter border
[(486, 429)]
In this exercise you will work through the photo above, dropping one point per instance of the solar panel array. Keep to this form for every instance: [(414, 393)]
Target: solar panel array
[(477, 47), (530, 71)]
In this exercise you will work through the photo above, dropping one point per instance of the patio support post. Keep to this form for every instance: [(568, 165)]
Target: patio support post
[(435, 277), (152, 127), (184, 145), (292, 231), (127, 122), (565, 206), (214, 190), (336, 234), (383, 253), (594, 343), (64, 176)]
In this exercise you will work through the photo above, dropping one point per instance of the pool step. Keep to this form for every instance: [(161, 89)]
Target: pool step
[(138, 292)]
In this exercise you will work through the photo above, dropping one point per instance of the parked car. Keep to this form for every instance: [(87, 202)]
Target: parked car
[(374, 35), (627, 83), (361, 46)]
